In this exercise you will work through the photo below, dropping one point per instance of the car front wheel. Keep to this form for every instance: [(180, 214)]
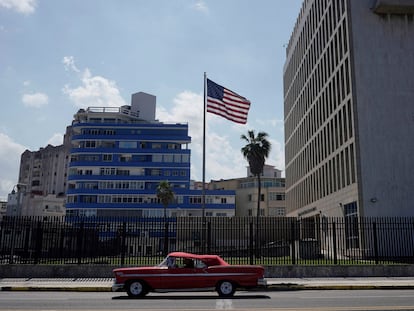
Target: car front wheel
[(136, 289), (225, 288)]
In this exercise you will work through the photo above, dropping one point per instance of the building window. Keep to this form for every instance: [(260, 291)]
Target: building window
[(168, 158), (108, 144), (90, 144), (195, 200), (280, 212), (108, 171), (125, 158), (128, 144), (276, 196), (107, 157), (173, 146), (122, 172), (351, 225), (156, 172), (157, 158), (109, 132), (185, 158)]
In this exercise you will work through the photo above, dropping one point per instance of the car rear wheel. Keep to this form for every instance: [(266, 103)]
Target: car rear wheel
[(225, 288), (136, 289)]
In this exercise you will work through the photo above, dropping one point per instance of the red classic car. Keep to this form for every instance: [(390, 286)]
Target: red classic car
[(188, 272)]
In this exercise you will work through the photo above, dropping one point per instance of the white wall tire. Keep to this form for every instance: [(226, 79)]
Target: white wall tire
[(136, 289), (225, 288)]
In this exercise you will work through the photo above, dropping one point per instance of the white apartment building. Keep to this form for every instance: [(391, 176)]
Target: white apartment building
[(42, 181)]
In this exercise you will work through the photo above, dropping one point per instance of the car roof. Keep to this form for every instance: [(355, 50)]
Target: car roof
[(208, 259)]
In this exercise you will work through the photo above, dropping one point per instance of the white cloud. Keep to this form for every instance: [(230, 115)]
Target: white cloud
[(36, 100), (69, 64), (10, 153), (277, 154), (223, 160), (21, 6), (55, 140), (94, 90), (201, 6)]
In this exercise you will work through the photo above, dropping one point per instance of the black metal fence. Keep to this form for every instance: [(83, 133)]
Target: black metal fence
[(144, 241)]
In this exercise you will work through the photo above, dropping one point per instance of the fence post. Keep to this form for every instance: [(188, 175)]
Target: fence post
[(39, 240), (166, 238), (12, 240), (374, 229), (334, 243), (251, 242), (26, 243), (123, 243), (79, 243), (209, 237), (292, 241)]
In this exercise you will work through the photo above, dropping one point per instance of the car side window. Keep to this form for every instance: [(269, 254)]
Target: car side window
[(199, 264), (171, 262), (188, 263)]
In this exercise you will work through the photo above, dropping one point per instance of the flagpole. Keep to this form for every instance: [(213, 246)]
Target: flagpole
[(203, 218), (204, 149)]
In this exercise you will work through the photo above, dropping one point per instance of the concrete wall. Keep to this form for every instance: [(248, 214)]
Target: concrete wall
[(104, 271), (383, 88)]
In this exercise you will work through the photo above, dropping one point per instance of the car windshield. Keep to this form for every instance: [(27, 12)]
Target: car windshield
[(166, 262)]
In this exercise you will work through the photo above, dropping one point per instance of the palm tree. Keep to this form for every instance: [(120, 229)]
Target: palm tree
[(256, 151), (166, 196)]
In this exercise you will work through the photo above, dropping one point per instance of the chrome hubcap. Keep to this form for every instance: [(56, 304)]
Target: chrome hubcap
[(136, 288), (226, 288)]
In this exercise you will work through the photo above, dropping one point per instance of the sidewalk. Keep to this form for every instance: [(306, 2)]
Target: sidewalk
[(104, 284)]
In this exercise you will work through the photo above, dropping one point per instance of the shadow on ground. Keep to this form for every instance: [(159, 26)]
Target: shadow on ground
[(182, 297)]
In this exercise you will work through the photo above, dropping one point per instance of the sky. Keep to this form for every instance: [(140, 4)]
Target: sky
[(59, 56)]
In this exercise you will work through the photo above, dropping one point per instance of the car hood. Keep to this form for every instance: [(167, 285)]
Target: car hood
[(137, 269)]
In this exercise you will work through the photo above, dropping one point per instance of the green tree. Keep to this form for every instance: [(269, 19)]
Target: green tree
[(166, 196), (256, 151)]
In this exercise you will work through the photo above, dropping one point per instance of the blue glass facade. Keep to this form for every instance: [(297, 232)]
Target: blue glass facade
[(117, 161)]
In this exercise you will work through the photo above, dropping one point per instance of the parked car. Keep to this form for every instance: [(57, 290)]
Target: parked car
[(181, 271)]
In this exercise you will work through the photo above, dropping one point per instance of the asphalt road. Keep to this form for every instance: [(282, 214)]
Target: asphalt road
[(322, 300)]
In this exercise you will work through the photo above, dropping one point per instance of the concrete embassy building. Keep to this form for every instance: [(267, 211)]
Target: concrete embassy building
[(349, 109)]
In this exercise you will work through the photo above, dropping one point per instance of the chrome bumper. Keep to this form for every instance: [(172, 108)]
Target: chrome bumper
[(261, 282), (116, 287)]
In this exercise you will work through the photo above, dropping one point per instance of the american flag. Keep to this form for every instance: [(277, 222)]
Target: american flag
[(226, 103)]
